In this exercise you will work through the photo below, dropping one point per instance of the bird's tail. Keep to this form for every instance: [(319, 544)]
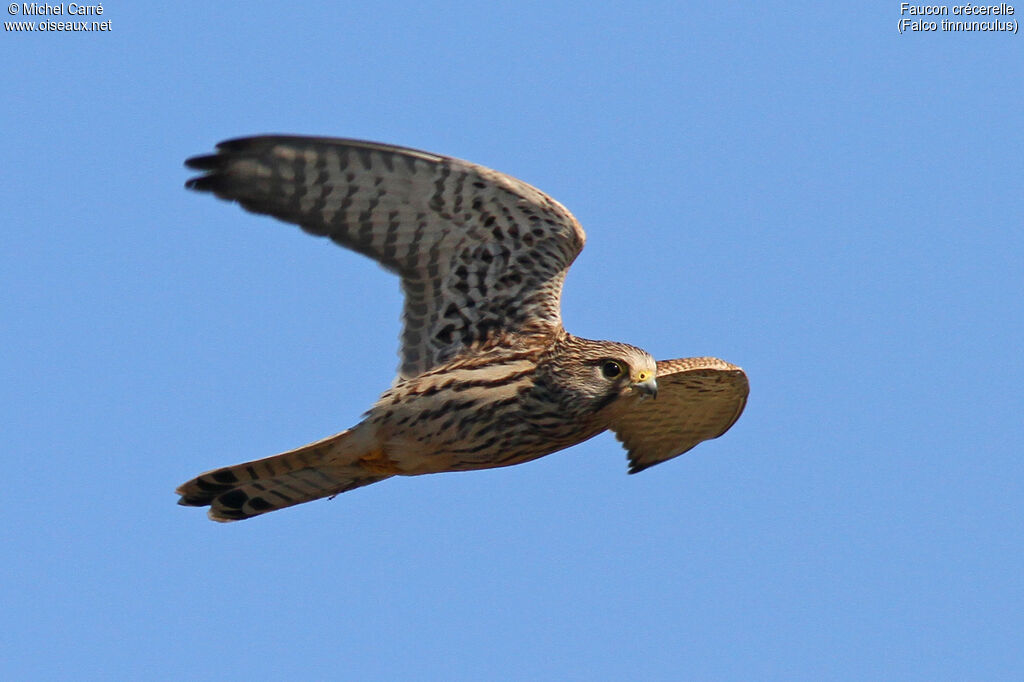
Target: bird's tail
[(320, 469)]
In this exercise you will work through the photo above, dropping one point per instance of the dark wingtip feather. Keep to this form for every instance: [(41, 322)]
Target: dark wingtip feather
[(204, 161), (237, 143), (192, 498), (203, 490), (203, 183), (216, 164)]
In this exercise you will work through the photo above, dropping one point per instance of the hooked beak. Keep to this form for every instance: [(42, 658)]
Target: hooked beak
[(647, 389)]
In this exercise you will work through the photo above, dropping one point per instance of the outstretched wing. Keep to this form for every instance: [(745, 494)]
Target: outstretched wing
[(480, 254), (698, 399)]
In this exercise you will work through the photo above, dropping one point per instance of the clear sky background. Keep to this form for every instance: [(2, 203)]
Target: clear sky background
[(792, 186)]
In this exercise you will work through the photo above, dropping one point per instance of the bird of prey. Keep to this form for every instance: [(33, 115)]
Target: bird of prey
[(488, 377)]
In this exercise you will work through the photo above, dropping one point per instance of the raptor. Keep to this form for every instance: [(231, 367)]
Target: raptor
[(488, 377)]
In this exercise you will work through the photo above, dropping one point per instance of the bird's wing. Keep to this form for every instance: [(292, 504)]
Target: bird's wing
[(480, 254), (698, 399)]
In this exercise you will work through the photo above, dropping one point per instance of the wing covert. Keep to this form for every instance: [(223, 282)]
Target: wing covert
[(480, 254)]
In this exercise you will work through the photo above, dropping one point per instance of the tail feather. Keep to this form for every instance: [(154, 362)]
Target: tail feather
[(321, 469)]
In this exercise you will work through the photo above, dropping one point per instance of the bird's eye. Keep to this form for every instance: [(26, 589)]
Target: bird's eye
[(612, 369)]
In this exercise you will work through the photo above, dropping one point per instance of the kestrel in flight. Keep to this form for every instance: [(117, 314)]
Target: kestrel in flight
[(488, 377)]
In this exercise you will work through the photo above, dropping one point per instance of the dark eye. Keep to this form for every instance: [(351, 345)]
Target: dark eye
[(611, 369)]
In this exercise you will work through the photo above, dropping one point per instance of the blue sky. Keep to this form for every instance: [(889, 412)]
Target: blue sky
[(794, 187)]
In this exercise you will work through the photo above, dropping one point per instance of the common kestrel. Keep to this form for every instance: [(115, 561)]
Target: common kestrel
[(488, 377)]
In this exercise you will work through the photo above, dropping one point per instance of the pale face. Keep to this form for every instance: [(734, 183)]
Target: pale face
[(614, 370)]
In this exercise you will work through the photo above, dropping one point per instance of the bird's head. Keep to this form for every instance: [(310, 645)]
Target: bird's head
[(601, 373)]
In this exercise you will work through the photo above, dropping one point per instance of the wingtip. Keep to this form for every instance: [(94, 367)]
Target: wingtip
[(186, 500), (202, 183), (215, 165), (637, 468), (213, 515), (204, 162)]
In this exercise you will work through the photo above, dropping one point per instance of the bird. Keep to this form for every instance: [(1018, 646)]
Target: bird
[(488, 377)]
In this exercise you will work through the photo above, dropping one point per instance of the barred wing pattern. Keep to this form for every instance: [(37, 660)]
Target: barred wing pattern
[(480, 254), (698, 399)]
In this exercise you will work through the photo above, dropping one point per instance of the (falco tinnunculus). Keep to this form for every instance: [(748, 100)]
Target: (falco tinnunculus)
[(488, 376)]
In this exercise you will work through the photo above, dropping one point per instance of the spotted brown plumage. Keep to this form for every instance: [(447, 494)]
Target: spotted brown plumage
[(487, 377)]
